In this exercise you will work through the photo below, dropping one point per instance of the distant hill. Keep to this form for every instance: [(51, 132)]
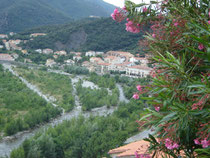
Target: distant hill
[(18, 15), (90, 34), (82, 8)]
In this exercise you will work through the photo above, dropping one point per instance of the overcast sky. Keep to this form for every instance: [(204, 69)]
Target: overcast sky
[(120, 3)]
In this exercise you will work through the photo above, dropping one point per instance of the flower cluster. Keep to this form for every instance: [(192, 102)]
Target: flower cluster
[(132, 27), (118, 15), (141, 155), (136, 95), (170, 144), (205, 143)]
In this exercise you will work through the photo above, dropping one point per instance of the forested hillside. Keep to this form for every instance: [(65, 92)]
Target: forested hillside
[(89, 34), (18, 15), (82, 8)]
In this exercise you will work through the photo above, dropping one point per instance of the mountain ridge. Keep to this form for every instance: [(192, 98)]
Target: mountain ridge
[(18, 15)]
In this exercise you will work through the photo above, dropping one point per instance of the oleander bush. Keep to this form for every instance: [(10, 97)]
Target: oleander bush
[(178, 95)]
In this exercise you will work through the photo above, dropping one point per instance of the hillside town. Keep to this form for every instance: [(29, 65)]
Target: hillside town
[(120, 62)]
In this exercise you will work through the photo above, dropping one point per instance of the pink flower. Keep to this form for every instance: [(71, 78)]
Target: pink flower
[(170, 145), (132, 27), (196, 141), (209, 13), (136, 155), (201, 46), (209, 22), (153, 35), (205, 143), (135, 96), (138, 87), (145, 9), (176, 24), (175, 146), (117, 15), (165, 2), (157, 108)]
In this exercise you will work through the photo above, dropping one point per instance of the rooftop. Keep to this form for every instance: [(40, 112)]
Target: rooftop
[(130, 150)]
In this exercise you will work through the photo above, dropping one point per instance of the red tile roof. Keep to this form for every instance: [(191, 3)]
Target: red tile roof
[(104, 64), (111, 57), (123, 64), (6, 57), (139, 147)]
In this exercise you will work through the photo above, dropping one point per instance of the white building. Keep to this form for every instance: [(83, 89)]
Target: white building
[(2, 36), (90, 53), (47, 51), (125, 55), (7, 45), (113, 60), (38, 51), (99, 53), (62, 52), (12, 33), (138, 71), (69, 62), (37, 34), (77, 58), (142, 61), (50, 62)]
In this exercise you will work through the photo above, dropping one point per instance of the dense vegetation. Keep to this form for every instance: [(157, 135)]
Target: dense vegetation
[(86, 35), (55, 85), (21, 108), (129, 84), (16, 15), (80, 138), (105, 81), (76, 70), (92, 98)]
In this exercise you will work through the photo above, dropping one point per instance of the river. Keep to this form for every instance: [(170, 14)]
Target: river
[(9, 143)]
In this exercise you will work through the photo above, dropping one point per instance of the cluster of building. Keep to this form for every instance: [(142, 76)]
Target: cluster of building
[(118, 61), (123, 63), (13, 44)]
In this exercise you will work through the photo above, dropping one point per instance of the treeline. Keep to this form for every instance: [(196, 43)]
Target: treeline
[(83, 138), (56, 85), (92, 98), (78, 70), (21, 108), (105, 81)]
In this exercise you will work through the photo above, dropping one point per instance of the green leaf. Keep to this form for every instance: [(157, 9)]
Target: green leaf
[(145, 117), (168, 117)]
